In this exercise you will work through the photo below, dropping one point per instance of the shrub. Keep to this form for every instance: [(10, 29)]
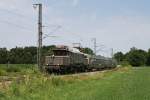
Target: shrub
[(13, 69), (137, 57), (119, 56), (2, 95), (125, 63), (148, 58), (2, 72)]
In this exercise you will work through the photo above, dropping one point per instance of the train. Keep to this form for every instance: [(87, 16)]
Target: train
[(67, 59)]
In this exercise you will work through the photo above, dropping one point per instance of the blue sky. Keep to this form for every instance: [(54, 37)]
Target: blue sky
[(118, 24)]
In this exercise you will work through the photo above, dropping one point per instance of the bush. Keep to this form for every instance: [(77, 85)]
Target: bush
[(125, 63), (148, 58), (148, 61), (119, 56), (137, 57), (2, 72), (13, 69), (2, 95)]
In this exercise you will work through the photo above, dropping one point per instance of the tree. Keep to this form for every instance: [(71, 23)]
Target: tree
[(87, 51), (16, 55), (148, 58), (47, 51), (27, 55), (30, 55), (3, 55), (137, 57), (119, 56)]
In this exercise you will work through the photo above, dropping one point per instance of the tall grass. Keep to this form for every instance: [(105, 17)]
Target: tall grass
[(120, 84), (6, 69), (35, 87)]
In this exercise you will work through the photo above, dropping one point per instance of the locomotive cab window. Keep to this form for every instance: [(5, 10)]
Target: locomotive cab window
[(60, 52)]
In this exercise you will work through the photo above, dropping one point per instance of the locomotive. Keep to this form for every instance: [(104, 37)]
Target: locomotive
[(68, 59)]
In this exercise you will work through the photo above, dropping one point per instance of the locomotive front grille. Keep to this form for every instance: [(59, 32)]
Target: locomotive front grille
[(57, 60)]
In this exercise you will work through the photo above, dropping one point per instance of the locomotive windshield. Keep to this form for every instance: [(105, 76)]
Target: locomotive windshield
[(60, 52)]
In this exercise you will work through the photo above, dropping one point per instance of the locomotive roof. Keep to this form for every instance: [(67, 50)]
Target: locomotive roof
[(70, 49), (102, 57)]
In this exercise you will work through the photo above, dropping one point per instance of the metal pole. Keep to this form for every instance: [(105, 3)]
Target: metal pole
[(95, 45), (40, 33), (40, 36), (112, 53)]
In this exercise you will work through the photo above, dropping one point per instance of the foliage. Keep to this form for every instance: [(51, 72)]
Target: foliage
[(25, 55), (2, 72), (3, 55), (148, 58), (137, 57), (19, 55), (119, 56), (122, 84), (28, 55), (47, 51), (87, 51), (6, 69), (13, 69), (125, 63)]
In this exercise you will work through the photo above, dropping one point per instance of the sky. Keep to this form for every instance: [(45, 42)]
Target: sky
[(117, 24)]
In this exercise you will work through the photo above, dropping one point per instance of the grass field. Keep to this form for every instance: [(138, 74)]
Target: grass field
[(17, 69), (120, 84)]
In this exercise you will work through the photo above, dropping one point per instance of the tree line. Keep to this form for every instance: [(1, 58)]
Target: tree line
[(28, 55), (135, 57)]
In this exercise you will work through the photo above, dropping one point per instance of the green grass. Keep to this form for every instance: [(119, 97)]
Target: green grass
[(120, 84), (17, 69)]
